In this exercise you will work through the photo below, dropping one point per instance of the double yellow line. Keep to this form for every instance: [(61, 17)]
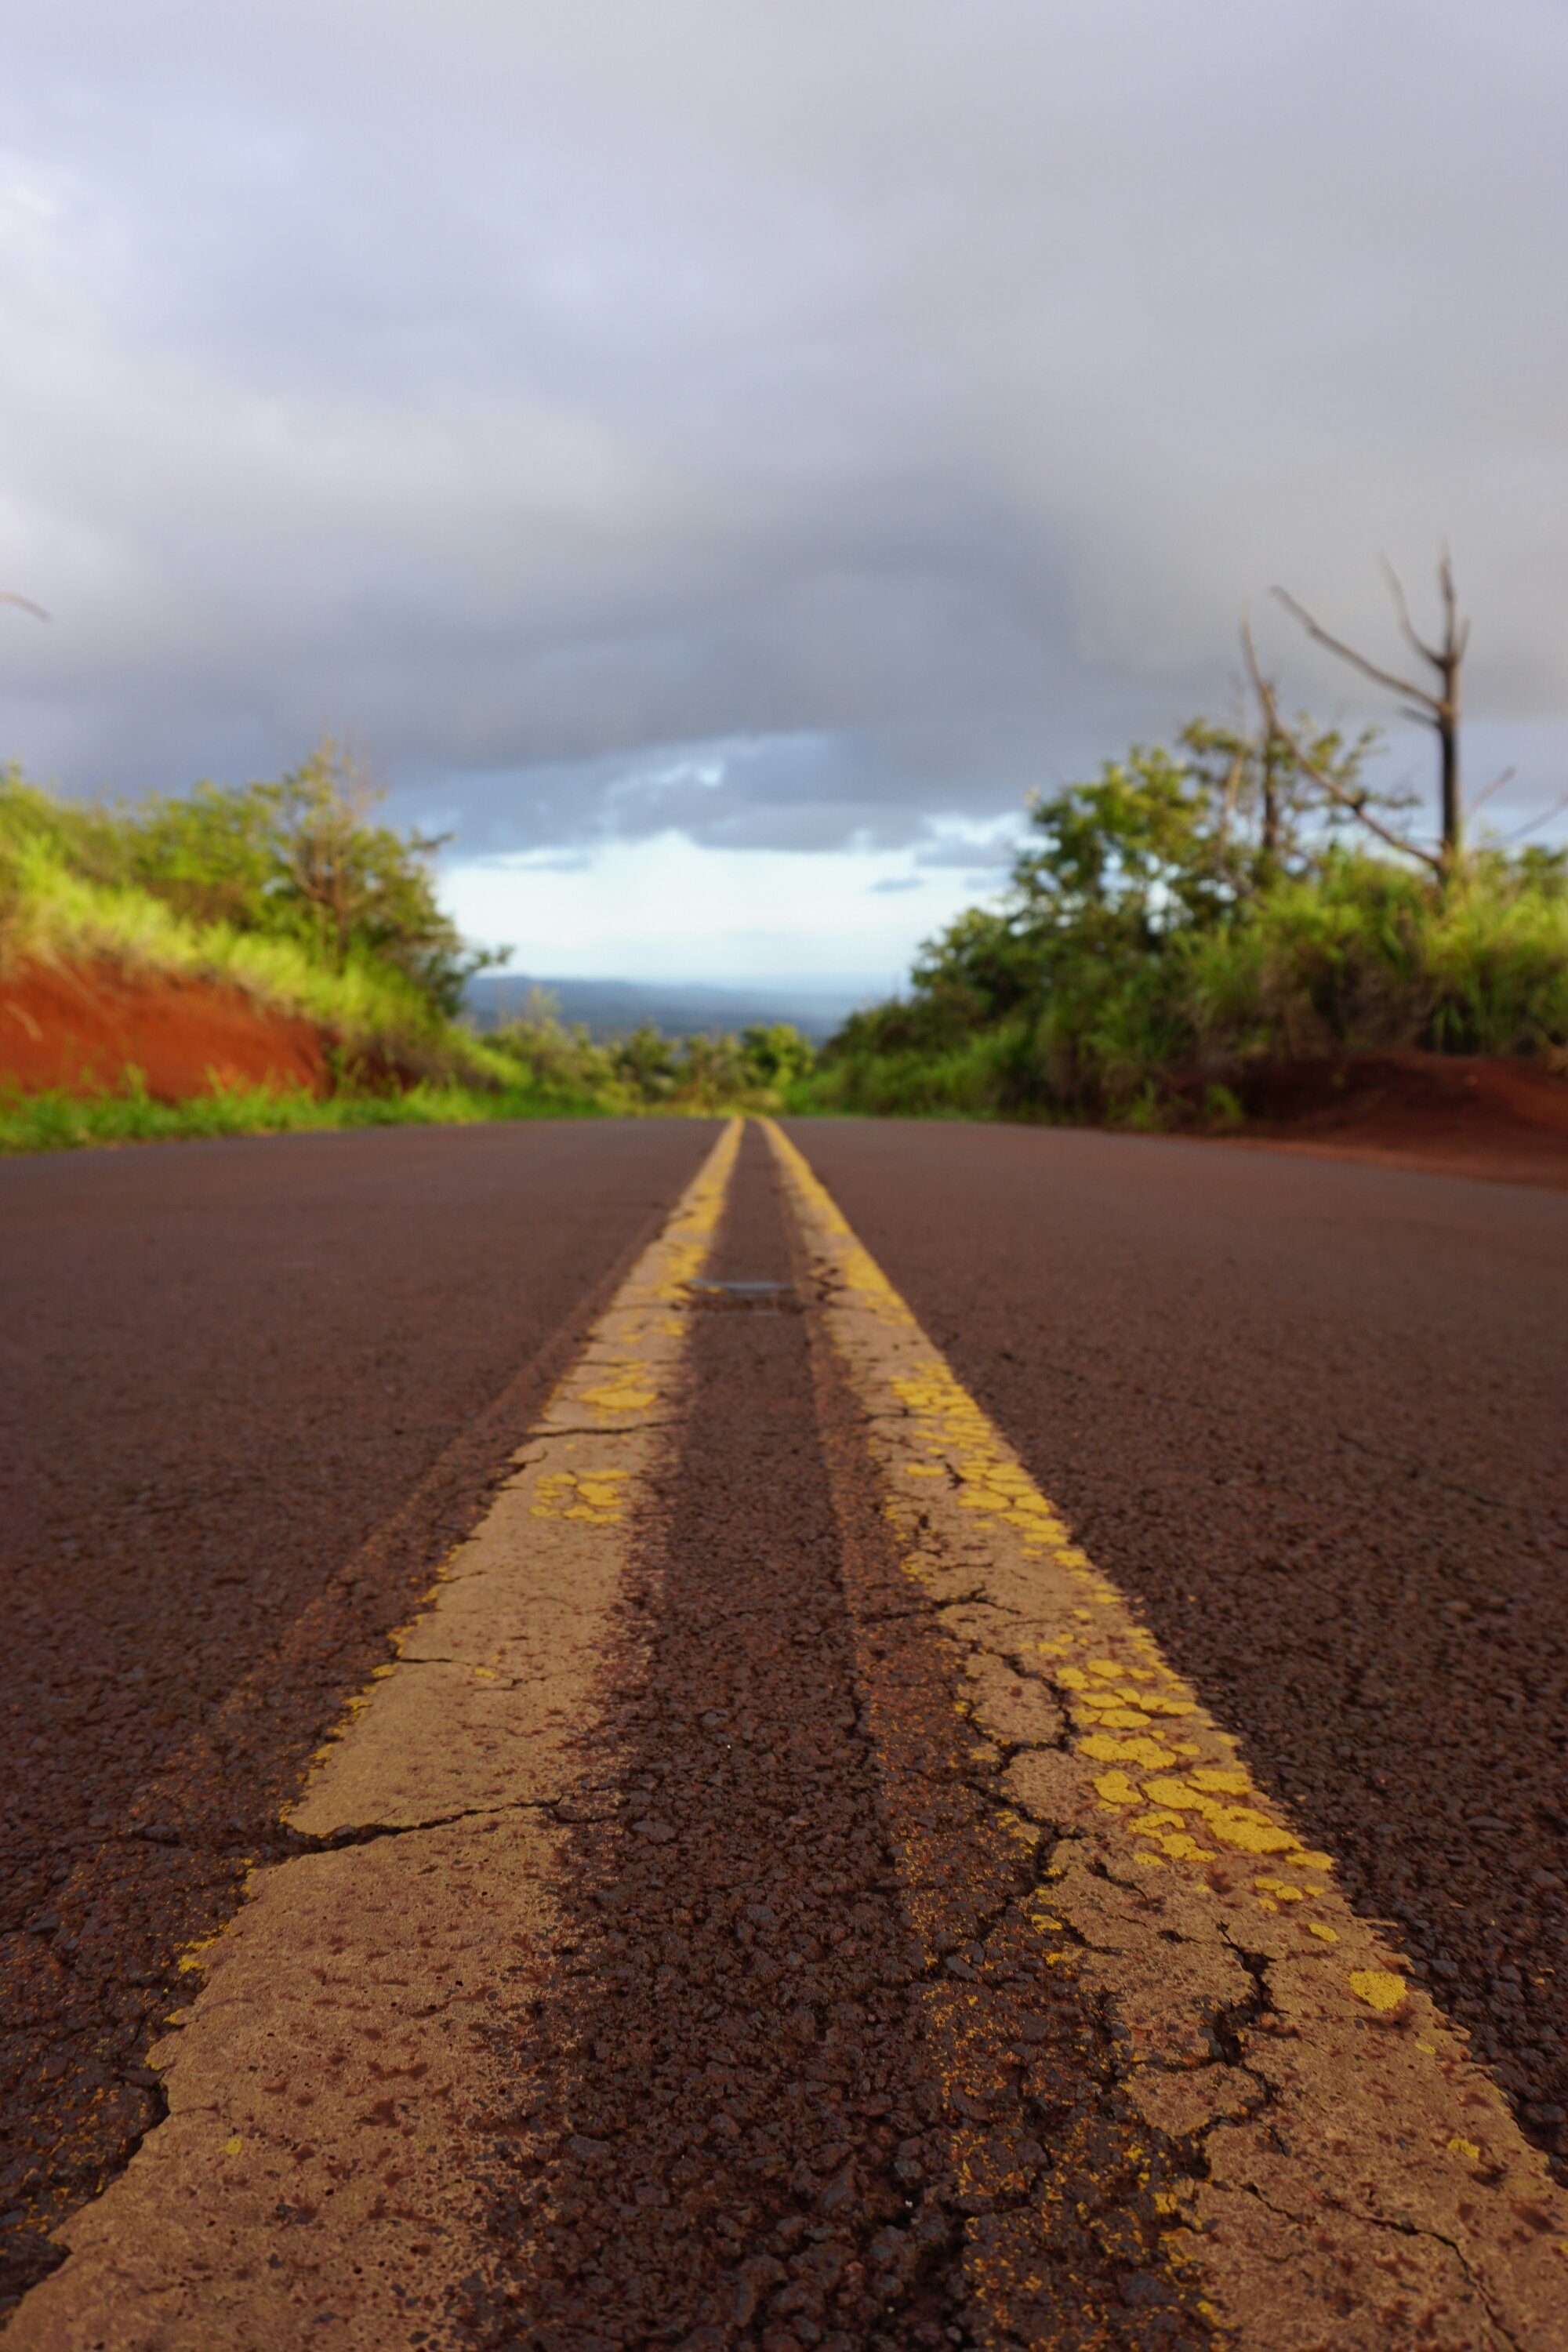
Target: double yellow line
[(1300, 2141)]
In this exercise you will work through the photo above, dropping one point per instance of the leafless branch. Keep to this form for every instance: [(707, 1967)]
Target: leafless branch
[(1545, 818), (1407, 626), (1495, 785), (25, 603), (1355, 803), (1358, 661)]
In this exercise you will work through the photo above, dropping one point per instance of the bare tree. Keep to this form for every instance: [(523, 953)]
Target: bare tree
[(1355, 799), (1438, 709)]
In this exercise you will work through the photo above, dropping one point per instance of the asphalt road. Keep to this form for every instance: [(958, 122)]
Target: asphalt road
[(741, 2093), (1313, 1418), (252, 1392), (1309, 1416), (738, 1719)]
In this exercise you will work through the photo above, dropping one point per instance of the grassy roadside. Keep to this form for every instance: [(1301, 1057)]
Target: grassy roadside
[(291, 895), (59, 1121), (287, 894), (63, 920)]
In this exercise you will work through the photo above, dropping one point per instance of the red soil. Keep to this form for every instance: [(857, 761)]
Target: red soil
[(83, 1029), (1448, 1112)]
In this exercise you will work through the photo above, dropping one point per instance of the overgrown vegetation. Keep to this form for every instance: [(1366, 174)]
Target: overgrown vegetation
[(294, 893), (1246, 898), (289, 889), (59, 1121), (1193, 913)]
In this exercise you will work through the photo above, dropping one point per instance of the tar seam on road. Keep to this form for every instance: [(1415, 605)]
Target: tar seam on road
[(1350, 2178), (1174, 2090), (331, 2084)]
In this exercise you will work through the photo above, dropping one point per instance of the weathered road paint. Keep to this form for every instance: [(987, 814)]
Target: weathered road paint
[(1332, 2169), (338, 2081), (1282, 2145)]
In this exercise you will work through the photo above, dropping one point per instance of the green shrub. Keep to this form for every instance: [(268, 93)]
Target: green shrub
[(298, 863), (1189, 913), (290, 893)]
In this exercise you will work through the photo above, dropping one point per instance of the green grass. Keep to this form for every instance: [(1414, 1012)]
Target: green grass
[(59, 1121), (56, 917)]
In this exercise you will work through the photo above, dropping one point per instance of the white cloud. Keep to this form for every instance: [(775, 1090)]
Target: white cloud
[(664, 908)]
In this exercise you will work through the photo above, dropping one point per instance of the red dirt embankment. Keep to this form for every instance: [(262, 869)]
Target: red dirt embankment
[(1449, 1112), (83, 1029)]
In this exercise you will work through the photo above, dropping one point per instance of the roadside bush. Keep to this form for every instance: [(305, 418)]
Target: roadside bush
[(300, 860), (291, 892), (1189, 913)]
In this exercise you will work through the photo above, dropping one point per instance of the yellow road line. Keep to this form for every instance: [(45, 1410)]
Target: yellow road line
[(1332, 2167), (335, 2084)]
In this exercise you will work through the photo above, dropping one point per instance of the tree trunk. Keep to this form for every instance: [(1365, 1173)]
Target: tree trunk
[(1447, 722), (1440, 711)]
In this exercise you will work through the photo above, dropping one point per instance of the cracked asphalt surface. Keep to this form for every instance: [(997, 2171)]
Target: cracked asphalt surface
[(253, 1392), (1314, 1419), (1309, 1416), (737, 2143)]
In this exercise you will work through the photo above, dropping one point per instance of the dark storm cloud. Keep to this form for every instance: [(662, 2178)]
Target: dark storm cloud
[(792, 425)]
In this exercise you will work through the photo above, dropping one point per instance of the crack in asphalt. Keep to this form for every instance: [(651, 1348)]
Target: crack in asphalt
[(883, 1349)]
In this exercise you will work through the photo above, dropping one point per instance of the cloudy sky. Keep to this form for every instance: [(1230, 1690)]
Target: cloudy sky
[(715, 455)]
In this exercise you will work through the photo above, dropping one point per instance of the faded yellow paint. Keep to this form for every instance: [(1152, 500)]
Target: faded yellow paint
[(1116, 1789), (620, 1394), (1102, 1748), (1379, 1988), (1105, 1693), (595, 1497), (631, 1379), (683, 1250), (1148, 1826), (469, 1737)]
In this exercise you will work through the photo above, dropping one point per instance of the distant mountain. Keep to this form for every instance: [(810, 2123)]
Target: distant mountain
[(609, 1008)]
